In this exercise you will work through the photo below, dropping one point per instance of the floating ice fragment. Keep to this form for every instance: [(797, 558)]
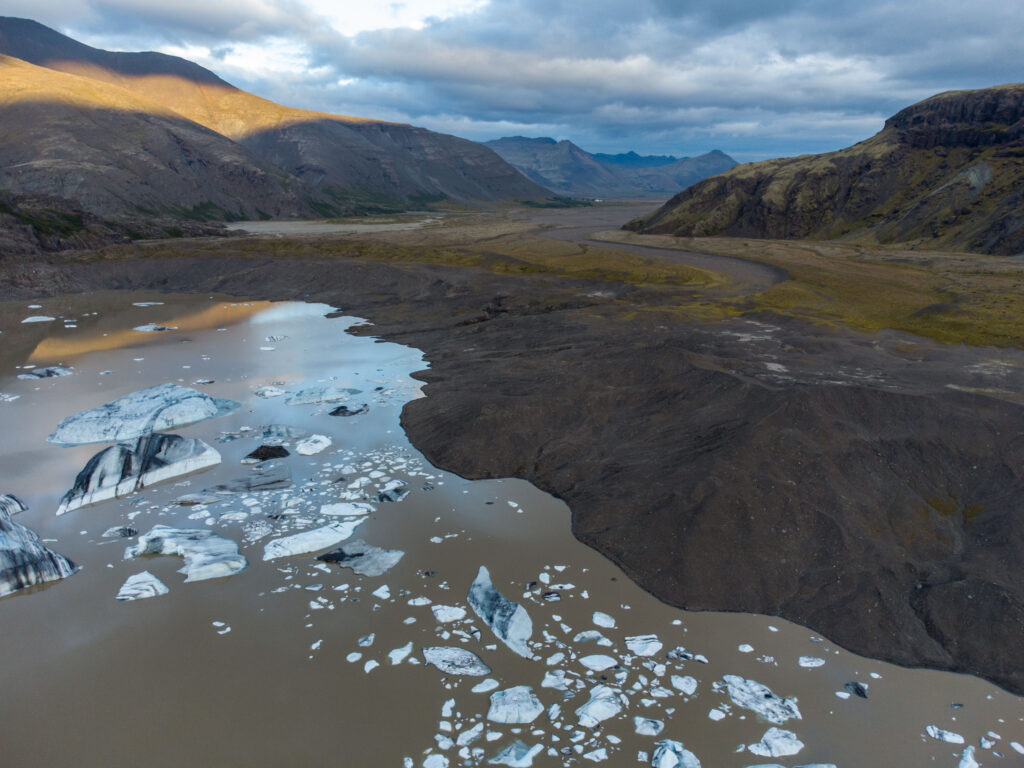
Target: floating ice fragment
[(313, 445), (455, 661), (857, 689), (776, 743), (1017, 747), (517, 755), (592, 636), (399, 655), (942, 735), (268, 392), (604, 703), (266, 453), (310, 541), (602, 619), (207, 555), (346, 509), (448, 613), (758, 698), (364, 559), (810, 662), (322, 393), (435, 761), (147, 303), (672, 754), (125, 468), (371, 665), (508, 620), (598, 662), (470, 735), (967, 758), (39, 319), (745, 648), (153, 328), (647, 726), (644, 645), (141, 413), (596, 755), (140, 586), (716, 715), (420, 601), (382, 593), (514, 705), (684, 683), (392, 495), (50, 372), (367, 640), (484, 686), (24, 560), (120, 532)]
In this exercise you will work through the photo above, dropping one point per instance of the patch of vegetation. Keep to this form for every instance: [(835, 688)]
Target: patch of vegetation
[(207, 211), (557, 202)]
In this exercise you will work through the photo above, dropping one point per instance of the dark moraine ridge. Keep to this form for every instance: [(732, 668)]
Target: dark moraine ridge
[(881, 515)]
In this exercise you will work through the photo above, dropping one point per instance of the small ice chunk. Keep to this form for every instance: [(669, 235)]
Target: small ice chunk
[(602, 619), (592, 636), (647, 726), (312, 445), (382, 592), (448, 613), (371, 665), (517, 755), (598, 662), (967, 758), (154, 328), (310, 541), (364, 559), (942, 735), (596, 755), (758, 698), (776, 743), (399, 655), (810, 662), (509, 621), (470, 735), (417, 602), (268, 392), (514, 705), (207, 555), (603, 703), (669, 753), (745, 648), (485, 686), (435, 761), (39, 319), (140, 586), (716, 715), (644, 645), (685, 683), (455, 661)]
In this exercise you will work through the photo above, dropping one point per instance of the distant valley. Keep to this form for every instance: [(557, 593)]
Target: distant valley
[(569, 170)]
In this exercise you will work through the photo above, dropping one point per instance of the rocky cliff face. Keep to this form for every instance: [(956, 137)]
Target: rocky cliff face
[(945, 173)]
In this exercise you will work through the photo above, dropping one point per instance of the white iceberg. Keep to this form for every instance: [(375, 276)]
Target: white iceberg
[(154, 409), (758, 698), (647, 726), (310, 541), (669, 753), (447, 613), (644, 645), (455, 661), (598, 662), (516, 705), (604, 703), (139, 586), (517, 755), (312, 445), (321, 393), (943, 735), (508, 620), (207, 555), (776, 743)]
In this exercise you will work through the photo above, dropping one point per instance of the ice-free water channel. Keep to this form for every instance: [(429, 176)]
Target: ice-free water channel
[(295, 661)]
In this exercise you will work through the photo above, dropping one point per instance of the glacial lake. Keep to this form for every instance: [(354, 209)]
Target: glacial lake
[(298, 662)]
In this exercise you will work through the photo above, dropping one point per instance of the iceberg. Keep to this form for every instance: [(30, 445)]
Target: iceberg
[(509, 621), (644, 645), (310, 541), (940, 734), (140, 586), (669, 753), (455, 661), (50, 372), (312, 445), (446, 613), (154, 409), (517, 755), (323, 393), (758, 698), (365, 559), (777, 743), (598, 662), (207, 555), (24, 560), (647, 726), (604, 703), (516, 705), (125, 468)]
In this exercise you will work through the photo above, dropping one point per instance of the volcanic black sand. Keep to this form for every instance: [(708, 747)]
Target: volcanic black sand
[(865, 486)]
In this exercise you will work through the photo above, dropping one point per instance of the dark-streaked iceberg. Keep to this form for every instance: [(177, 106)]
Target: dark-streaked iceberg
[(455, 661), (149, 410), (207, 555), (125, 468), (24, 560), (365, 559), (508, 620), (141, 586)]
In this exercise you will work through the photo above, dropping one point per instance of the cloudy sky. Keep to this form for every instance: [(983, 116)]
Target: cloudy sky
[(755, 78)]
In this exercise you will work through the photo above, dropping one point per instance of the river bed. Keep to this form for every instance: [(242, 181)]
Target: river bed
[(295, 661)]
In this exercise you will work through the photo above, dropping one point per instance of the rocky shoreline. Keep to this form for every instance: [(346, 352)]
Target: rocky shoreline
[(862, 488)]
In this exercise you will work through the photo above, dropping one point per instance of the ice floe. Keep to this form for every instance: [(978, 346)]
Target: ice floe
[(50, 372), (268, 392), (776, 742), (940, 734), (312, 540), (153, 328), (598, 662), (365, 559), (647, 726), (516, 705), (517, 755), (455, 661), (39, 319), (602, 619), (24, 560), (669, 753), (810, 662), (758, 698), (508, 620), (126, 468), (604, 703), (140, 586), (207, 555), (321, 393), (149, 410), (444, 614), (644, 645), (312, 445)]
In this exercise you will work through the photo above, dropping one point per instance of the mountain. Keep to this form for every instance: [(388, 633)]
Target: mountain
[(565, 168), (943, 173), (324, 162)]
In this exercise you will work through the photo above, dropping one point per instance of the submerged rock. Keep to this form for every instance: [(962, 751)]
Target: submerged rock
[(207, 555), (50, 372), (758, 698), (24, 560), (310, 541), (344, 410), (266, 453), (140, 586), (141, 413), (125, 468), (516, 705), (517, 755), (509, 621), (669, 753), (455, 661), (365, 559)]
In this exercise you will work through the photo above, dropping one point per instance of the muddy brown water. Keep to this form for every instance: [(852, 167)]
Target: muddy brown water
[(90, 681)]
